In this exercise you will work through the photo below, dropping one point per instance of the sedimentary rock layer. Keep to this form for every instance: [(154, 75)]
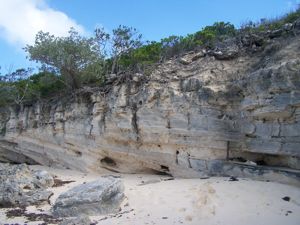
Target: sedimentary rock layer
[(192, 116)]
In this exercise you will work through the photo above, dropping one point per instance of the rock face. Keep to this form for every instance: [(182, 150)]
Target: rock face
[(204, 114), (19, 186), (94, 198)]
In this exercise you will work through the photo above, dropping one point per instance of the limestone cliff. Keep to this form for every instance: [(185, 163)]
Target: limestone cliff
[(220, 112)]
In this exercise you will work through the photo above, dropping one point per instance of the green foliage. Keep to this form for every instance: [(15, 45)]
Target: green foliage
[(217, 32), (171, 46), (44, 84), (148, 54), (71, 56), (6, 94), (125, 41), (24, 90), (13, 87)]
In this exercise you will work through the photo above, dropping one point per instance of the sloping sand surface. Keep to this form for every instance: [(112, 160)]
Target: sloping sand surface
[(155, 199)]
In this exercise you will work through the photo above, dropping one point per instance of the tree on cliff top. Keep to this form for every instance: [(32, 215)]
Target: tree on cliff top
[(125, 40), (74, 57)]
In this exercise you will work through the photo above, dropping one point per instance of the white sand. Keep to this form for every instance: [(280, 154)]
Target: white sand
[(189, 201)]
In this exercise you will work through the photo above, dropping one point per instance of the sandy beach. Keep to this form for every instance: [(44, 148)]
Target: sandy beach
[(157, 199)]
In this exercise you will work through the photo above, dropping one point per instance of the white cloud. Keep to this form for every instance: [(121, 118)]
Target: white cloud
[(20, 20)]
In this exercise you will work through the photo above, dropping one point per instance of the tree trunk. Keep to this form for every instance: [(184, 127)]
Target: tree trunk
[(70, 77)]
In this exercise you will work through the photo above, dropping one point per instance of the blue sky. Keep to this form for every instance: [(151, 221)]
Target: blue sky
[(155, 19)]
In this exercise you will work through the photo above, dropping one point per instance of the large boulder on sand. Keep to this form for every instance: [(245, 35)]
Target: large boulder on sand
[(94, 198), (12, 195), (20, 186)]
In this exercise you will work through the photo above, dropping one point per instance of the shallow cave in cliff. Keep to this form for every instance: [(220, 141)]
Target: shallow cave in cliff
[(164, 168), (108, 162), (262, 159)]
